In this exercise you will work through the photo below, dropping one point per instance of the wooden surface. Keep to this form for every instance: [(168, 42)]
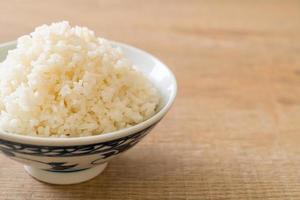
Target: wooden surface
[(234, 131)]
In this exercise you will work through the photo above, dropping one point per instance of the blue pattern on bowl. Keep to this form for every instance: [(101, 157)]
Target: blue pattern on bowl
[(103, 150)]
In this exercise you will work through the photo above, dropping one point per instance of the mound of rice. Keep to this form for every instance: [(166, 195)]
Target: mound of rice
[(63, 81)]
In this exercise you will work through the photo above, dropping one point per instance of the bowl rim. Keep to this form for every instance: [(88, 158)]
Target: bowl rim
[(54, 141)]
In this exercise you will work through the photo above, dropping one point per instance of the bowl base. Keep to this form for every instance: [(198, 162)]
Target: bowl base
[(64, 178)]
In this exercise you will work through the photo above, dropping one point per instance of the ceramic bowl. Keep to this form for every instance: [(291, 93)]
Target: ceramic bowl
[(75, 160)]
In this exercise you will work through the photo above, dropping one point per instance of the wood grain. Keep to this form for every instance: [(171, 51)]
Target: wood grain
[(234, 131)]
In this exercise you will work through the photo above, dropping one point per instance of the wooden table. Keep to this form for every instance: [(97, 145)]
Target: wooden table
[(234, 131)]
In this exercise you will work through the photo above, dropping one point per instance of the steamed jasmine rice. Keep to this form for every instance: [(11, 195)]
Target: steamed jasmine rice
[(63, 81)]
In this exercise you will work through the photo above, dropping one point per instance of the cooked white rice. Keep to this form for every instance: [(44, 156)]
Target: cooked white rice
[(63, 81)]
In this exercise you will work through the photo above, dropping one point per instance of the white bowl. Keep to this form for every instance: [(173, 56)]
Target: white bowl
[(75, 160)]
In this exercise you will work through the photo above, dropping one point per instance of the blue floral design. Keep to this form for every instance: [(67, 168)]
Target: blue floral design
[(103, 149)]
